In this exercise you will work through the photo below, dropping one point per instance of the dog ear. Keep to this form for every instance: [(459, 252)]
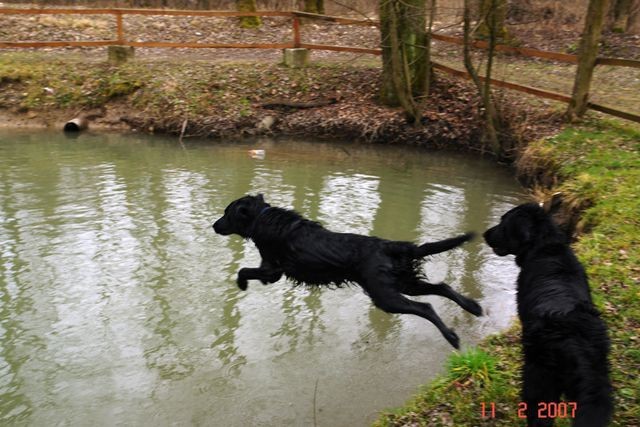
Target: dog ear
[(551, 205), (260, 197)]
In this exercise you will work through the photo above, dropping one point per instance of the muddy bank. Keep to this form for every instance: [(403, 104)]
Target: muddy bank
[(341, 119), (241, 99)]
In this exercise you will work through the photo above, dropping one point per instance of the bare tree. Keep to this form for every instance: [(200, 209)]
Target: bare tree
[(248, 6), (491, 120), (633, 24), (314, 6), (621, 10), (587, 55), (496, 12), (405, 54)]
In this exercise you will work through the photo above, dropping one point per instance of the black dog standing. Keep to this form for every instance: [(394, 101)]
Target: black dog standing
[(308, 253), (564, 340)]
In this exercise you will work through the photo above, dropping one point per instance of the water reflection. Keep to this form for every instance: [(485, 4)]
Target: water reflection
[(118, 304)]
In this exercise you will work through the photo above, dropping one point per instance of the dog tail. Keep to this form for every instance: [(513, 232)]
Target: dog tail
[(442, 245)]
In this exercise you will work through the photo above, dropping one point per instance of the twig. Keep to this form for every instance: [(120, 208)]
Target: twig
[(315, 395), (184, 128)]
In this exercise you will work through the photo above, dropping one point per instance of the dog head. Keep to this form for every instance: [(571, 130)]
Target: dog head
[(520, 228), (240, 216)]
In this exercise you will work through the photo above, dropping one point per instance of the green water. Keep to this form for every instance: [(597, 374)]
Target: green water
[(118, 304)]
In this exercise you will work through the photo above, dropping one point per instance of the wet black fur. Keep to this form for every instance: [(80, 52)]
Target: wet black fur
[(564, 340), (306, 252)]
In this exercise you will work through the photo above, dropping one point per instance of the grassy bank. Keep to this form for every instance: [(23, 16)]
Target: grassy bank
[(597, 166)]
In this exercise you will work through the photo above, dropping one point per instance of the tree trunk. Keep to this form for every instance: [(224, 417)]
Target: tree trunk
[(621, 11), (248, 21), (314, 6), (404, 53), (587, 55), (429, 76), (490, 134), (494, 11), (633, 24)]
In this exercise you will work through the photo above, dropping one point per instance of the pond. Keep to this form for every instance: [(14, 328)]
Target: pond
[(118, 303)]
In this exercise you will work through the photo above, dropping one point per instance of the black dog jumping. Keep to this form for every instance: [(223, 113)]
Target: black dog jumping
[(564, 340), (308, 253)]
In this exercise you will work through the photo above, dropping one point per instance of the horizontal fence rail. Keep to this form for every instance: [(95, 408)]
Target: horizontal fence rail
[(540, 93), (121, 11), (532, 53), (296, 42), (121, 39), (535, 53)]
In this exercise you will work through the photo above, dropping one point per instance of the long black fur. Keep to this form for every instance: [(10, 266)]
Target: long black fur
[(564, 339), (306, 252)]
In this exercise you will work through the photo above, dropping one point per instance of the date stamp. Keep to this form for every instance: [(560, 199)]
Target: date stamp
[(544, 410)]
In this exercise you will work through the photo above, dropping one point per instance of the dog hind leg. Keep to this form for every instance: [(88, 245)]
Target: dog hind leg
[(392, 302), (594, 403), (421, 287), (597, 414), (539, 388)]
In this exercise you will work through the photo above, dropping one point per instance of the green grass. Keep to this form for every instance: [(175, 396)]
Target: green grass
[(597, 165), (607, 174), (472, 366), (46, 84)]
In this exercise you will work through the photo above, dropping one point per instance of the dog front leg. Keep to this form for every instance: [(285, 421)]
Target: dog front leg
[(265, 273)]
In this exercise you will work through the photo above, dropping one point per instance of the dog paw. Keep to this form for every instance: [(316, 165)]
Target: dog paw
[(453, 339), (473, 307), (242, 284), (469, 236)]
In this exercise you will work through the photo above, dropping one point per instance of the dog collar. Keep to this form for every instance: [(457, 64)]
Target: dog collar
[(255, 221), (266, 208)]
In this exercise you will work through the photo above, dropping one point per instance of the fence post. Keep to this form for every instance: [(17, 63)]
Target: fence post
[(296, 31), (120, 53), (297, 57), (119, 27)]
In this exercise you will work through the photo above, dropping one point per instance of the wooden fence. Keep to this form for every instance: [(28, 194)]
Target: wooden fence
[(296, 42), (121, 39)]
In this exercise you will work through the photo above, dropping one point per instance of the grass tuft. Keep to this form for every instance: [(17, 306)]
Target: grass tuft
[(472, 366)]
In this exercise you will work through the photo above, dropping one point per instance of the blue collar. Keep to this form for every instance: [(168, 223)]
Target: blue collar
[(266, 208)]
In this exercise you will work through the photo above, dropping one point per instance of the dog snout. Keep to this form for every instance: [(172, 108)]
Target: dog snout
[(220, 228), (487, 235), (494, 241)]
